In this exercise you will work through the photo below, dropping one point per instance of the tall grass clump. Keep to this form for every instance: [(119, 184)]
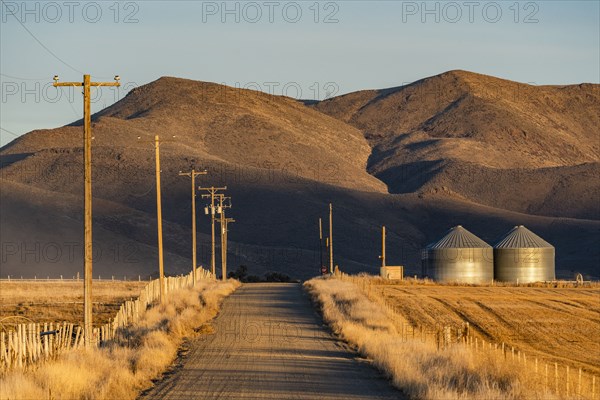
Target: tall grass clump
[(120, 369), (417, 367)]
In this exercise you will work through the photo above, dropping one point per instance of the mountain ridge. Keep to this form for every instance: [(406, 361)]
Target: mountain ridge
[(284, 162), (463, 119)]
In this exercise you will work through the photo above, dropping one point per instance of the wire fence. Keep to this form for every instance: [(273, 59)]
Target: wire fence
[(24, 345), (550, 377), (76, 278)]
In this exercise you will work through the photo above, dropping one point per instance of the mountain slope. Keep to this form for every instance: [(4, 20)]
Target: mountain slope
[(283, 163), (210, 121), (479, 137), (271, 152)]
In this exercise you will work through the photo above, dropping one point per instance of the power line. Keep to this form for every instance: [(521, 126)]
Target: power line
[(101, 77), (303, 217), (41, 80), (45, 47), (45, 78), (25, 79), (70, 104), (9, 132)]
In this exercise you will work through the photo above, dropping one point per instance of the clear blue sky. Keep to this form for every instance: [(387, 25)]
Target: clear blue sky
[(312, 49)]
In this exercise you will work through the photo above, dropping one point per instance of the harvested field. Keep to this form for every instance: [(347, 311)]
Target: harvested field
[(57, 301), (556, 324)]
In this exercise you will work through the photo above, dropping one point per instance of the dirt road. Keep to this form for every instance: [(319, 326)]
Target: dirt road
[(269, 343)]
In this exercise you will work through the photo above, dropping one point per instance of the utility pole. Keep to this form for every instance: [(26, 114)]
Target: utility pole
[(193, 175), (225, 229), (321, 245), (224, 222), (161, 271), (382, 247), (87, 195), (212, 192), (330, 238)]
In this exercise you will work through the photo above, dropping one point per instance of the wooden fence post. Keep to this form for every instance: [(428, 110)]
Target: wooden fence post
[(21, 345), (579, 384), (51, 340), (567, 381), (556, 378), (77, 333), (11, 347), (25, 345), (2, 348)]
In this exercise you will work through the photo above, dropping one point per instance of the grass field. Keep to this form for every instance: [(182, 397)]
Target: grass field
[(57, 301), (556, 324), (400, 326), (121, 369)]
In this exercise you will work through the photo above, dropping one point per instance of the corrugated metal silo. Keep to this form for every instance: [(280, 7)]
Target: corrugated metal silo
[(459, 256), (522, 256)]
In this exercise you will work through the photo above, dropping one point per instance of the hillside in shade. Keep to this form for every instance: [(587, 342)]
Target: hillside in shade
[(470, 155)]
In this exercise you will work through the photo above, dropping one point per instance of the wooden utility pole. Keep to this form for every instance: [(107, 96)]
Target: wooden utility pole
[(161, 270), (211, 209), (330, 238), (193, 175), (161, 274), (87, 195), (383, 247), (321, 245), (224, 221), (225, 228)]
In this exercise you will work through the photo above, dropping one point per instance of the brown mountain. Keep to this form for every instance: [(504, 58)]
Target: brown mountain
[(283, 162), (532, 149)]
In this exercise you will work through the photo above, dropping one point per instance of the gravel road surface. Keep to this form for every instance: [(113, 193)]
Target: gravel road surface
[(269, 343)]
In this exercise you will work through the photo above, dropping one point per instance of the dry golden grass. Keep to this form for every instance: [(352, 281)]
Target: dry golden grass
[(120, 370), (416, 366), (57, 301), (559, 324)]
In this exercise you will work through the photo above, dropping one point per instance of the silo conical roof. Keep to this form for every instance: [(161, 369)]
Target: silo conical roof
[(520, 237), (458, 238)]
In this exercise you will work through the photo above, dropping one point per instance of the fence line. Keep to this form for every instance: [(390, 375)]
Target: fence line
[(563, 383), (24, 345), (74, 278)]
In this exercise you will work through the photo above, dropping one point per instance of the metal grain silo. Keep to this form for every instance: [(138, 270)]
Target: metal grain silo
[(459, 256), (522, 256)]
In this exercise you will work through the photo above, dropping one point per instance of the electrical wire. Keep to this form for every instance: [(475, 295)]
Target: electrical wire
[(307, 218), (70, 104), (46, 47), (9, 132), (26, 79)]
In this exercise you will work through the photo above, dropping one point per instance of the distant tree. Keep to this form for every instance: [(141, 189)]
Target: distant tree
[(277, 277), (240, 273), (252, 279)]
